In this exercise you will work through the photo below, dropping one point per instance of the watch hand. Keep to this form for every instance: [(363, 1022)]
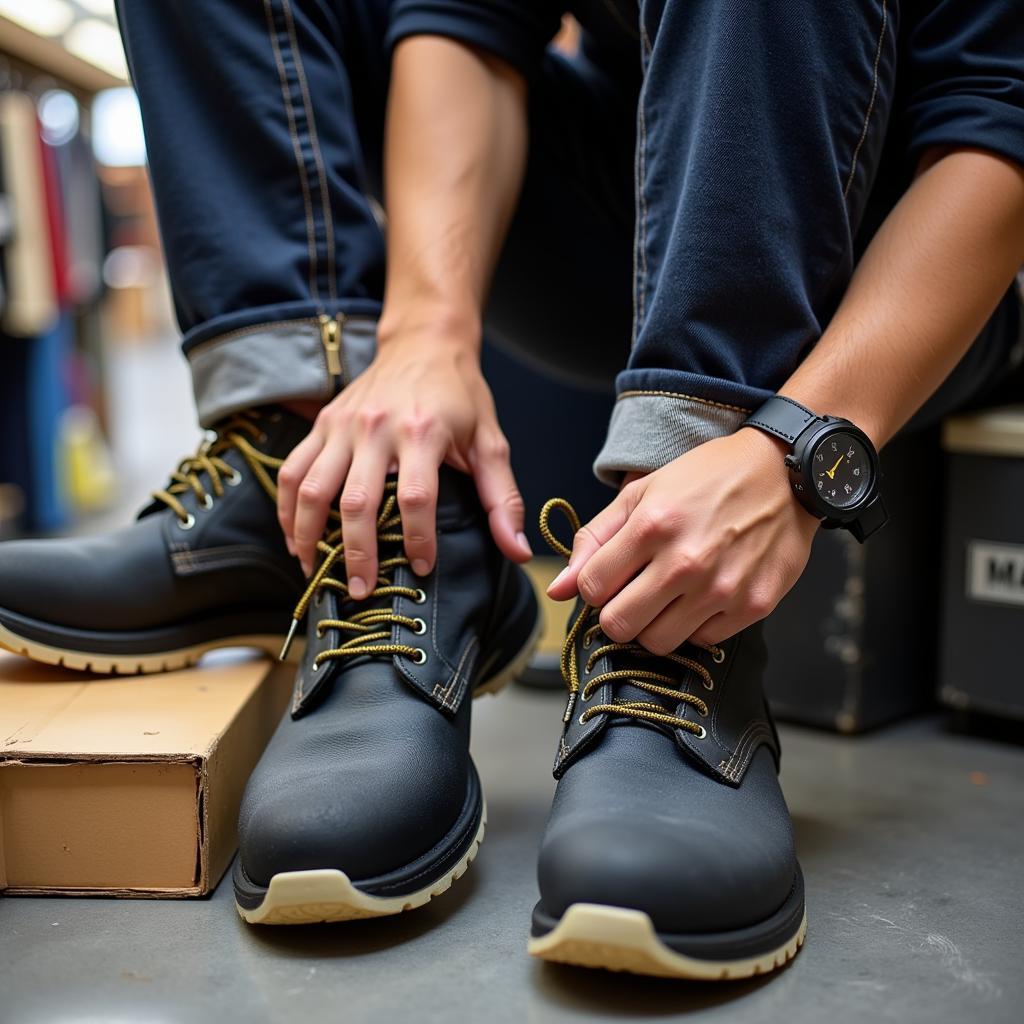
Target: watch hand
[(832, 472)]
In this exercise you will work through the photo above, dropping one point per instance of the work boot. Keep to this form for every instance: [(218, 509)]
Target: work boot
[(366, 801), (203, 566), (669, 848)]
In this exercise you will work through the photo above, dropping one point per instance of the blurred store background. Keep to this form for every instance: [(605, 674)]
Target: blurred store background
[(90, 374)]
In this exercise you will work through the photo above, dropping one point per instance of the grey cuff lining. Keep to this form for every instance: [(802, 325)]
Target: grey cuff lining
[(647, 431), (277, 362)]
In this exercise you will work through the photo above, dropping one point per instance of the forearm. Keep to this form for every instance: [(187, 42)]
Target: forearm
[(455, 151), (924, 288)]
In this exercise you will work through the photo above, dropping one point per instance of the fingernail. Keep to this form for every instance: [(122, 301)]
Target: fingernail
[(290, 546), (420, 566), (524, 543), (558, 579), (356, 587)]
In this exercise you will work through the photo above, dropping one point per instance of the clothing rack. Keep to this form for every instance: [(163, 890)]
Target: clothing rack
[(52, 245)]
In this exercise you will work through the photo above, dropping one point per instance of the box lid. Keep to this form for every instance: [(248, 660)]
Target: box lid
[(992, 432), (47, 711)]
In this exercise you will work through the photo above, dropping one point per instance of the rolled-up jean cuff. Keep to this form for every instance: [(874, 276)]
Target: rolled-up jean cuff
[(648, 429), (277, 361)]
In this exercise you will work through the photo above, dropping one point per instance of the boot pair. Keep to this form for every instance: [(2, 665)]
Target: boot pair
[(669, 849)]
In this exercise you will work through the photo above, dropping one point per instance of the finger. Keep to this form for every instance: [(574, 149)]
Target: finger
[(360, 503), (417, 501), (590, 538), (717, 629), (499, 494), (751, 603), (315, 496), (292, 472), (642, 600), (674, 625)]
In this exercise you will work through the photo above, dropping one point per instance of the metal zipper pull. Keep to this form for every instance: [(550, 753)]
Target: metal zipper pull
[(330, 337)]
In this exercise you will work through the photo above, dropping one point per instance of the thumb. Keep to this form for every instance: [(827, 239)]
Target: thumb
[(589, 539)]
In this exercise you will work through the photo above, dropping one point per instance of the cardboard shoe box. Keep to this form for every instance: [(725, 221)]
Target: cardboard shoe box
[(128, 786)]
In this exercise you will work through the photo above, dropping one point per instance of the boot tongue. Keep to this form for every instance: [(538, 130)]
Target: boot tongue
[(457, 498)]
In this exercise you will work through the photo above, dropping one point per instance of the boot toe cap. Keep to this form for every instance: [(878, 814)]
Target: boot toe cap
[(710, 871)]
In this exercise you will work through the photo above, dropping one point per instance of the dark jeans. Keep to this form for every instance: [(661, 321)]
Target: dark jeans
[(690, 215)]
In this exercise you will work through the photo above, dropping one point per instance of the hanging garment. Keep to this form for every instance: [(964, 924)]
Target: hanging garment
[(31, 307)]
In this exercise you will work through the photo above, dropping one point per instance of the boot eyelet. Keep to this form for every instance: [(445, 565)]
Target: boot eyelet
[(187, 524), (419, 627), (709, 685), (581, 720), (421, 596), (420, 657), (703, 714), (207, 503), (702, 734), (718, 656), (234, 480), (588, 643), (316, 666)]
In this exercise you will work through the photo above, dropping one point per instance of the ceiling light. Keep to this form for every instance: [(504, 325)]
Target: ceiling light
[(99, 43), (44, 17)]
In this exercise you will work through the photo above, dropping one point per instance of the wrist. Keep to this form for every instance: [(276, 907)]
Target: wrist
[(431, 325)]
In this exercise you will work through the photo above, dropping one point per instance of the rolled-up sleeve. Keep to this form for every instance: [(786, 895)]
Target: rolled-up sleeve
[(965, 68), (517, 31)]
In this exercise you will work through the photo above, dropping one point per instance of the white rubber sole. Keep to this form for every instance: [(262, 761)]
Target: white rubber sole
[(616, 939), (317, 897), (137, 664)]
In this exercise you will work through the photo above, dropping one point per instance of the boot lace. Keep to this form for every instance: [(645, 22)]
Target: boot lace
[(369, 628), (657, 683), (207, 471)]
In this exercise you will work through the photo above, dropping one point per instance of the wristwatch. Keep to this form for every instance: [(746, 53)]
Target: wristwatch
[(833, 466)]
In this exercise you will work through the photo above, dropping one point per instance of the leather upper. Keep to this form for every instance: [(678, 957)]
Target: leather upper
[(152, 571), (692, 830), (370, 769)]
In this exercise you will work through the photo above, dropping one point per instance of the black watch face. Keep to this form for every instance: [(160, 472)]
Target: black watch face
[(841, 470)]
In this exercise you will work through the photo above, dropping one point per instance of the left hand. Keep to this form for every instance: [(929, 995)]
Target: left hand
[(697, 550)]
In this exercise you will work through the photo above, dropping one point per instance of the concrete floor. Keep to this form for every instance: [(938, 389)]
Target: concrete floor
[(911, 842)]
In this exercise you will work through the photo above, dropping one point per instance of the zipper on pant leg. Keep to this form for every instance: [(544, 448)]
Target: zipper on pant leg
[(330, 337)]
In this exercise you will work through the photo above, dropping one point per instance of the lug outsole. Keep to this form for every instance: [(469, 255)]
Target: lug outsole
[(328, 895), (141, 664), (617, 939)]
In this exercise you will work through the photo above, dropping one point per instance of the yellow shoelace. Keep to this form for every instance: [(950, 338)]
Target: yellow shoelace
[(238, 432), (370, 626), (658, 684)]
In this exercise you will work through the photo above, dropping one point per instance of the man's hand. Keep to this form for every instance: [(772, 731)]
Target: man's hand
[(421, 402), (697, 550)]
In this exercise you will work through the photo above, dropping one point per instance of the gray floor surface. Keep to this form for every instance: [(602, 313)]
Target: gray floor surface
[(911, 841)]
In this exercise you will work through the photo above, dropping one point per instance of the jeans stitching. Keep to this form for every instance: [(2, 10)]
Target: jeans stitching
[(635, 393), (300, 164), (314, 140), (639, 176), (871, 101)]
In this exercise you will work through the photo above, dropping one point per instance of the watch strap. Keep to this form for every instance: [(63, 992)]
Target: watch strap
[(782, 417), (872, 518)]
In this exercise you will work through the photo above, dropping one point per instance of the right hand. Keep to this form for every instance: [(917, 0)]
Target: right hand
[(421, 402)]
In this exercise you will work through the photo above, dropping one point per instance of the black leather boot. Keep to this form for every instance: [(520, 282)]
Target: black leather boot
[(366, 801), (203, 566), (669, 849)]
